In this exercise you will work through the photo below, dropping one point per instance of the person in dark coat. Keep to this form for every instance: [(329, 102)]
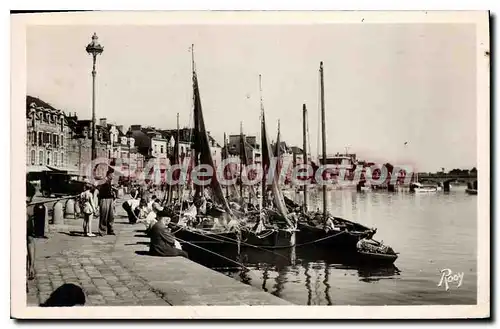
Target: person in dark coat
[(163, 241), (107, 195), (30, 232)]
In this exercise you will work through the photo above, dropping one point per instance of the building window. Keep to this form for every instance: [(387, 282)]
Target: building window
[(161, 149), (32, 157), (156, 148), (34, 137), (40, 158), (55, 159), (40, 139), (62, 159), (57, 140), (62, 141), (48, 158)]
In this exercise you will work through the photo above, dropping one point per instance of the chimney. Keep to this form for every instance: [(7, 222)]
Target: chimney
[(135, 127), (102, 122)]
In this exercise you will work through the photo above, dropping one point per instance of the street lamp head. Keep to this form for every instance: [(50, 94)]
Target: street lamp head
[(94, 48)]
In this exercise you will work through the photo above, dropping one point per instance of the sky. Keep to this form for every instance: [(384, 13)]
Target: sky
[(399, 93)]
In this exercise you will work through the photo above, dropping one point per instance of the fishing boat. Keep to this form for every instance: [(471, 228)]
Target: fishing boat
[(210, 219), (371, 258), (323, 229), (373, 252), (419, 188)]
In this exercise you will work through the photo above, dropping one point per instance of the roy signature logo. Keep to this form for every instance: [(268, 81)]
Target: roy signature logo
[(448, 278)]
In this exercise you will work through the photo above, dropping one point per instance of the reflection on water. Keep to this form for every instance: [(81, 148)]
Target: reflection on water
[(431, 232)]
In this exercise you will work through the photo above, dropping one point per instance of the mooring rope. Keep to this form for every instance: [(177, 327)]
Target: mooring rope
[(214, 253), (317, 240), (233, 241)]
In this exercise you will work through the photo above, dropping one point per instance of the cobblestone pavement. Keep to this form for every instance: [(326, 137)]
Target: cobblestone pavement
[(117, 270), (68, 257)]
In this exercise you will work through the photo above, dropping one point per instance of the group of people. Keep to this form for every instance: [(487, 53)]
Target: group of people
[(106, 194), (146, 208)]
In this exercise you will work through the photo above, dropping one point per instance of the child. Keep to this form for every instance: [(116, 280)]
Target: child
[(88, 209)]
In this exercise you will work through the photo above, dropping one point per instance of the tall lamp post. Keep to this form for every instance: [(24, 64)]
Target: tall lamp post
[(129, 136), (94, 49)]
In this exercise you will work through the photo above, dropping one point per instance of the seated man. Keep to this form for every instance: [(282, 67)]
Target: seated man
[(163, 242), (367, 244)]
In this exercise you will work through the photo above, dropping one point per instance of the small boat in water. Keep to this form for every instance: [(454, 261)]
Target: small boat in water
[(419, 188), (373, 252), (471, 188), (369, 258)]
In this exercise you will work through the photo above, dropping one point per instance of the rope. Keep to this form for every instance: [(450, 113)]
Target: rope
[(325, 238), (233, 241), (214, 253)]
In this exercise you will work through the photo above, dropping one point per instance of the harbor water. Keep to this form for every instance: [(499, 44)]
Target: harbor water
[(432, 233)]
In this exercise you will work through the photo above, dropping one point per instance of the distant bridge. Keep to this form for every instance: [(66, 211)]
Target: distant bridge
[(445, 177)]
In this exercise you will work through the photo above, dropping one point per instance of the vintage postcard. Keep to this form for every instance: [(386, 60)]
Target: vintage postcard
[(310, 165)]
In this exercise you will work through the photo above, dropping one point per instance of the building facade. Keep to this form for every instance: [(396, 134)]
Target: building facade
[(47, 136), (251, 146)]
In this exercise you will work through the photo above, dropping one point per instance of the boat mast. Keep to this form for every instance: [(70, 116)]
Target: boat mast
[(304, 149), (263, 187), (242, 149), (225, 157), (323, 134), (278, 155), (178, 155), (198, 189)]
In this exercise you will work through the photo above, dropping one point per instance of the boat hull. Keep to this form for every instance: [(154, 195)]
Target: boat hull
[(312, 236), (424, 190), (367, 258), (266, 239)]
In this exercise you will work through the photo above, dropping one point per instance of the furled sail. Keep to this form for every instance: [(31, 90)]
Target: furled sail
[(202, 148), (278, 199)]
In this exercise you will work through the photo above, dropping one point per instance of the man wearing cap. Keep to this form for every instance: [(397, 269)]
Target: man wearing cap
[(106, 206)]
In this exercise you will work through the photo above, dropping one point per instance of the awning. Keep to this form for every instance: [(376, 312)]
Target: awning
[(30, 169), (70, 171)]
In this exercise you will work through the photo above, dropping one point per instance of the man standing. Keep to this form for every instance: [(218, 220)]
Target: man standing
[(106, 206), (30, 232)]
